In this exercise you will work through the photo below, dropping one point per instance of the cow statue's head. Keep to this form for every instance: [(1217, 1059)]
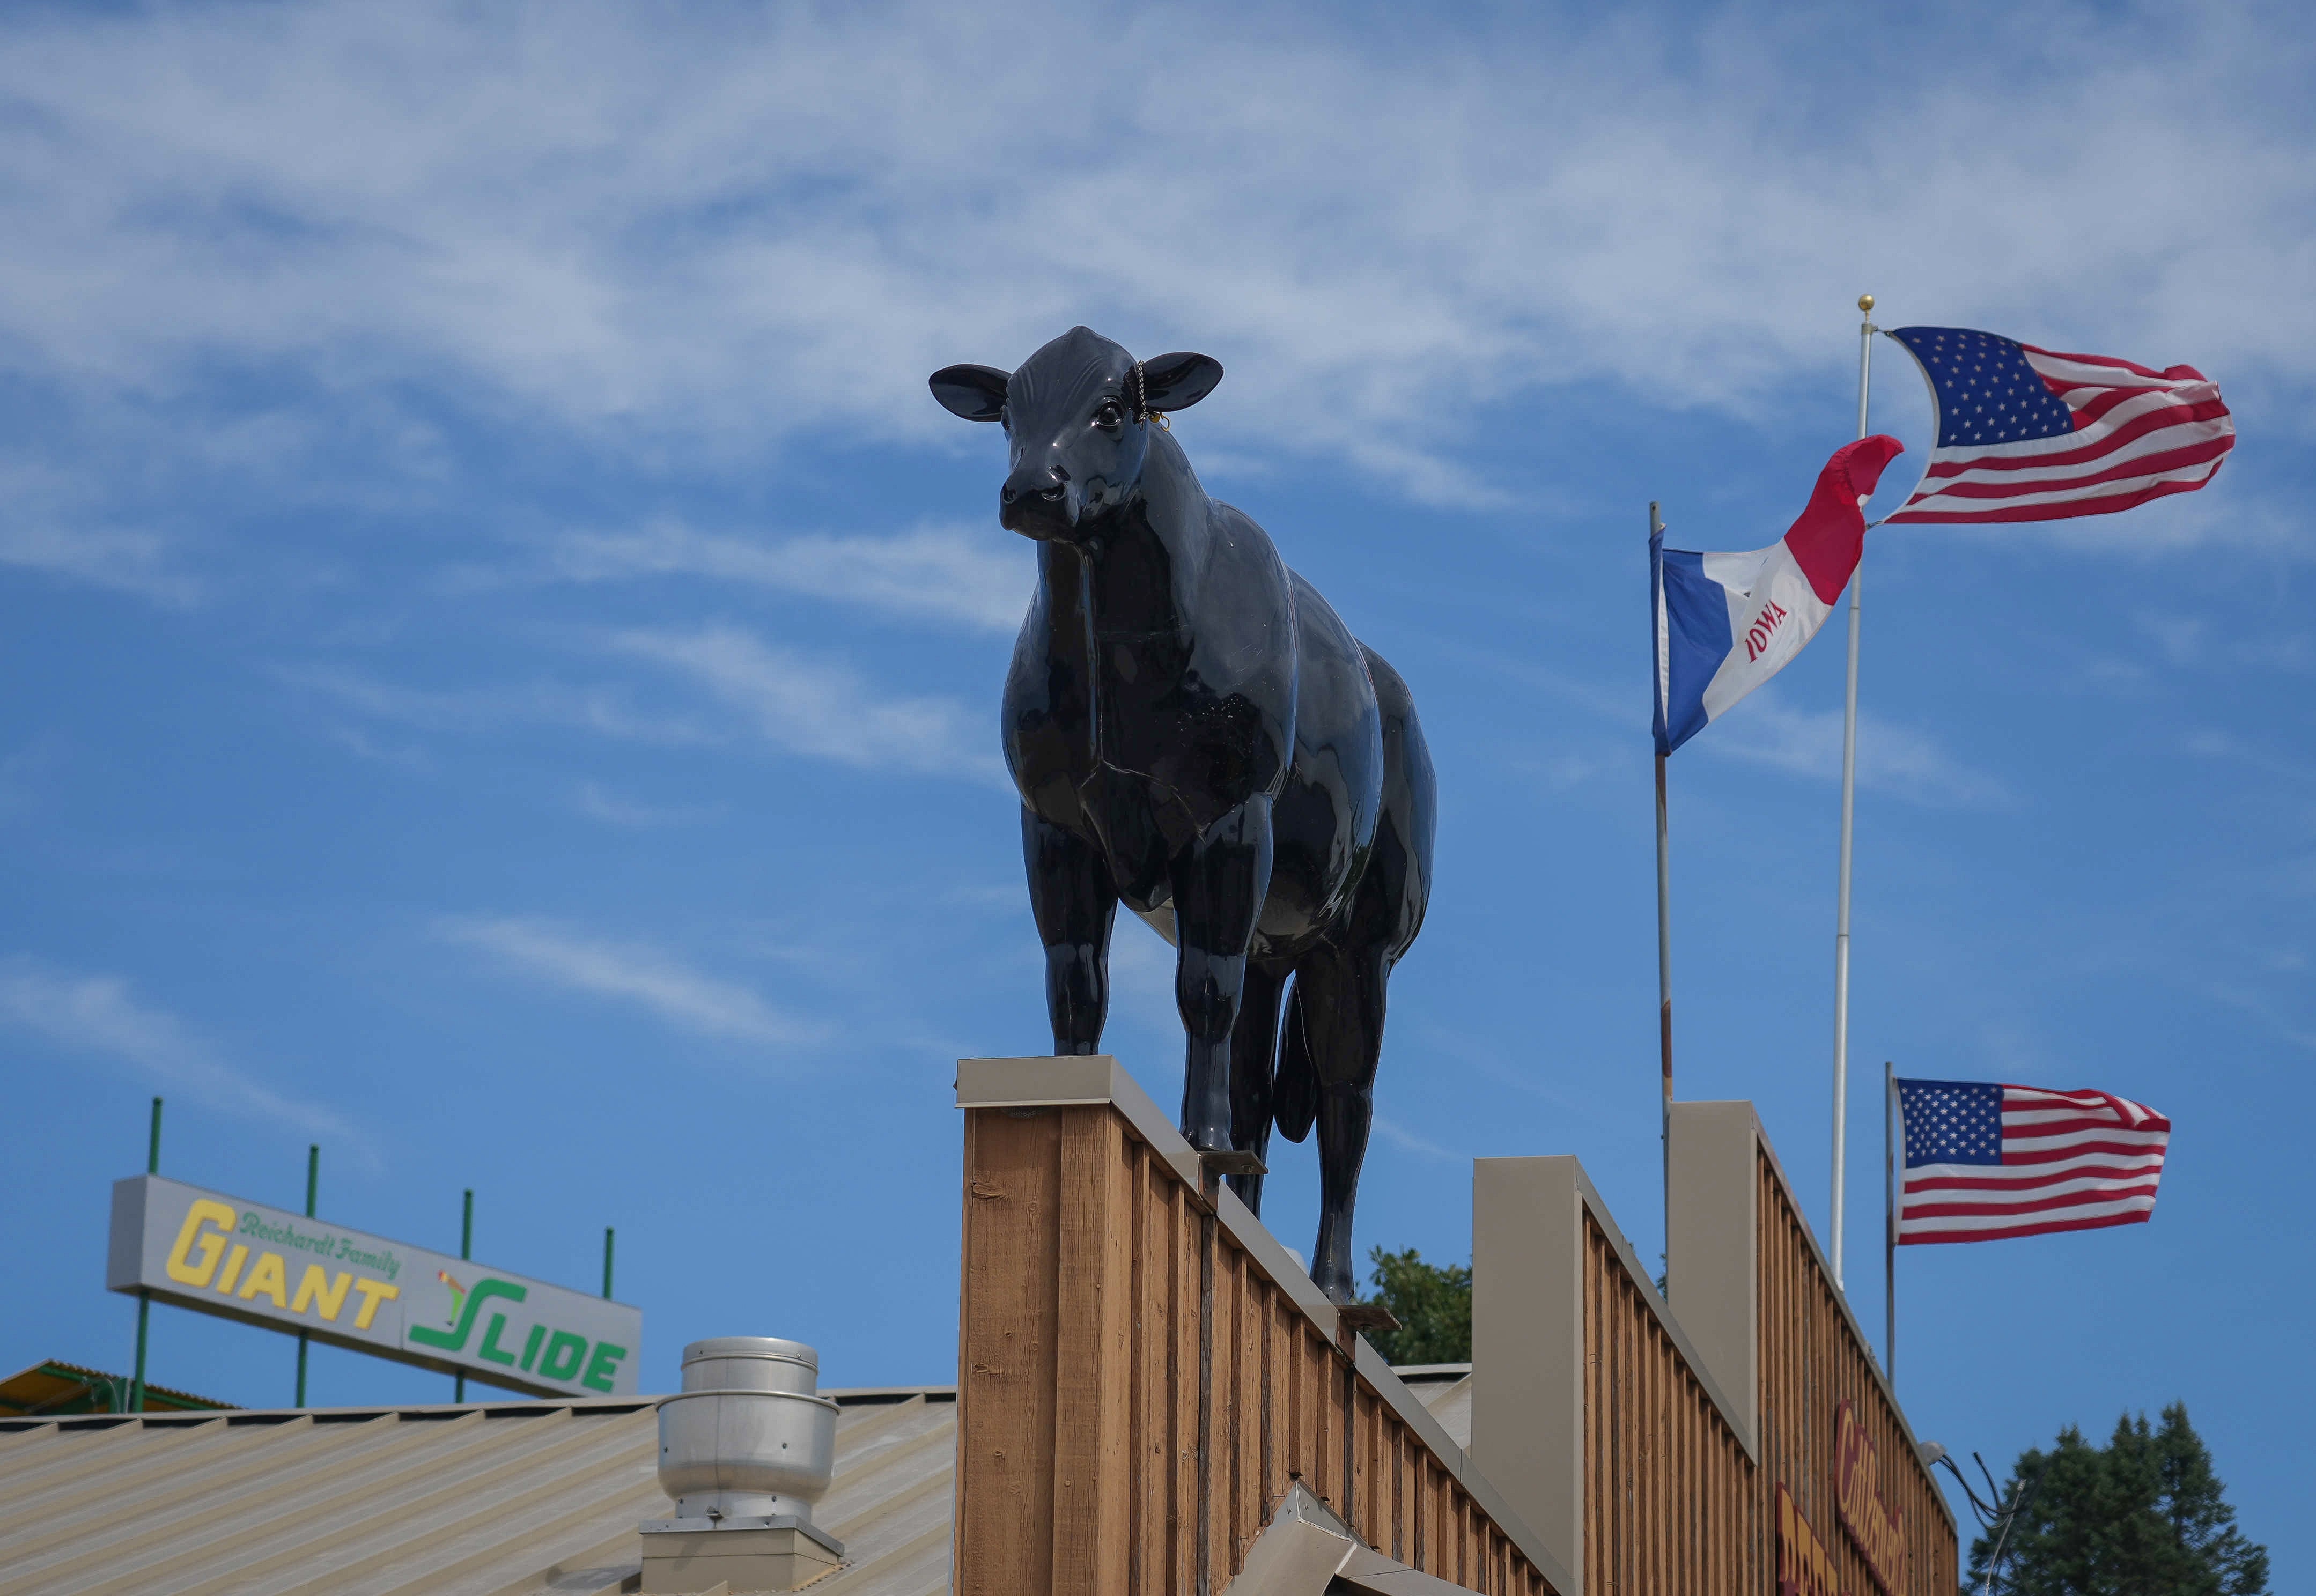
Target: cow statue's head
[(1078, 416)]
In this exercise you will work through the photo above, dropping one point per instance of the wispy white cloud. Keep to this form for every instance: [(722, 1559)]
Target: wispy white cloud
[(2248, 520), (1399, 1135), (824, 709), (596, 803), (2273, 759), (2180, 637), (979, 579), (55, 522), (98, 1014), (631, 972), (359, 743), (607, 710), (792, 700), (1895, 759), (141, 563), (24, 773), (718, 227), (1142, 974)]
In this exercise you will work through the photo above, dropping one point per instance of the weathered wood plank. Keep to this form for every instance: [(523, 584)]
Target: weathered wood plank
[(1093, 1354), (1006, 1371), (1189, 1322)]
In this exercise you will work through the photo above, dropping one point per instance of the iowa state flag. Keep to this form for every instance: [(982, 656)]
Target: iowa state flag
[(1725, 623)]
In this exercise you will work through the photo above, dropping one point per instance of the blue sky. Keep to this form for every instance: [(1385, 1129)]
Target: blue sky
[(499, 652)]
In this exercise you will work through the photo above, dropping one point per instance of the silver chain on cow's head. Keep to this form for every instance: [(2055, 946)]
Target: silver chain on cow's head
[(1142, 396)]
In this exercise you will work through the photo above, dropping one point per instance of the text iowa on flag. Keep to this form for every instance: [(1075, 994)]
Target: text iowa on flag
[(1985, 1161), (1725, 623), (2029, 434)]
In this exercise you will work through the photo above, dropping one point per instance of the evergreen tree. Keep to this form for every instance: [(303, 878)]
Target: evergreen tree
[(2143, 1516), (1432, 1304)]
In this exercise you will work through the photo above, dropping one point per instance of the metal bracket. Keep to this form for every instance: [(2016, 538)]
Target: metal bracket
[(1364, 1317)]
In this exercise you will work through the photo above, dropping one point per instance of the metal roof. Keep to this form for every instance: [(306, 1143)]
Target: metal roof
[(493, 1499), (477, 1499), (58, 1388)]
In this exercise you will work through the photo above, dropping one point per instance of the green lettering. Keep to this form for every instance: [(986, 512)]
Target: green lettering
[(603, 1366), (554, 1366), (530, 1347), (454, 1339), (490, 1347)]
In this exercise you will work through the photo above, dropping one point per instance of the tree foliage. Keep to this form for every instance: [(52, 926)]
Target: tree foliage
[(2143, 1516), (1432, 1304)]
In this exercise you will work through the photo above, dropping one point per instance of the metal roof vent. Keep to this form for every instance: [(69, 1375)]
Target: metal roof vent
[(745, 1449)]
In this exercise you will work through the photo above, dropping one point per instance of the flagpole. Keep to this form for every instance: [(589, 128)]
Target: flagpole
[(313, 1186), (1664, 961), (1889, 1221), (1848, 805)]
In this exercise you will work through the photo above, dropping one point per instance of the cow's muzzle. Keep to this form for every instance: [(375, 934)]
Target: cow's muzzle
[(1039, 502)]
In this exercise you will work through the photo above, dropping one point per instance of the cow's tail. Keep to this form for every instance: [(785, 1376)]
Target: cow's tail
[(1294, 1091)]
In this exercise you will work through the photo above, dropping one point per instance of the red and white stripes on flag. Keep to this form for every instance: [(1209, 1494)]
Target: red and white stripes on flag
[(1984, 1161), (2028, 434)]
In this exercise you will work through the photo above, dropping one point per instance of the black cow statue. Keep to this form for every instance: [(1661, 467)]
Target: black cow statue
[(1195, 734)]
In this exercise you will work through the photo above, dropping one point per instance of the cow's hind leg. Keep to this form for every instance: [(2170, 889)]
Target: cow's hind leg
[(1342, 1003), (1253, 1043), (1071, 895)]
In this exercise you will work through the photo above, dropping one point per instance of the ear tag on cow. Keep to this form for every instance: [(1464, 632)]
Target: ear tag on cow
[(1142, 391)]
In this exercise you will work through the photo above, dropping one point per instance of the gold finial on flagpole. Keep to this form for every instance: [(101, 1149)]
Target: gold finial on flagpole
[(1865, 303)]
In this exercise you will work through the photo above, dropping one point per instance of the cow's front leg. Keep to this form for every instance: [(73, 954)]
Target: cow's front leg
[(1071, 895), (1219, 884)]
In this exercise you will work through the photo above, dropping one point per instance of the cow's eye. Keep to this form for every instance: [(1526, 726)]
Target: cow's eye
[(1110, 414)]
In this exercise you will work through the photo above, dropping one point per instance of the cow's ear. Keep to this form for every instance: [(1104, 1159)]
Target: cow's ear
[(1177, 381), (977, 393)]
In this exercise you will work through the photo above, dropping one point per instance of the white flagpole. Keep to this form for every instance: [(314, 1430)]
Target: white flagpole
[(1889, 1221), (1849, 804), (1664, 957)]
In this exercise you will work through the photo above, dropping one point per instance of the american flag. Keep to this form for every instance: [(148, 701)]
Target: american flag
[(1986, 1161), (2025, 434)]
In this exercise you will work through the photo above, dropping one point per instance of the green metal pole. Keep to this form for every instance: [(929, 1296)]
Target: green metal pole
[(312, 1184), (466, 1250), (144, 1298), (607, 1264)]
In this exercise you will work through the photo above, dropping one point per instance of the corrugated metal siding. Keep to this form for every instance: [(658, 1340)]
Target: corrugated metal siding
[(513, 1499)]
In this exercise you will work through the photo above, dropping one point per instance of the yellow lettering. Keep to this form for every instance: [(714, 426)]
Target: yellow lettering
[(233, 1262), (211, 1242), (373, 1292), (314, 1288), (269, 1277)]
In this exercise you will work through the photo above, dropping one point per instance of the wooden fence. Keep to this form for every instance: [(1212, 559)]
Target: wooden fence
[(1143, 1372), (1813, 1359), (1669, 1492), (1647, 1439)]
